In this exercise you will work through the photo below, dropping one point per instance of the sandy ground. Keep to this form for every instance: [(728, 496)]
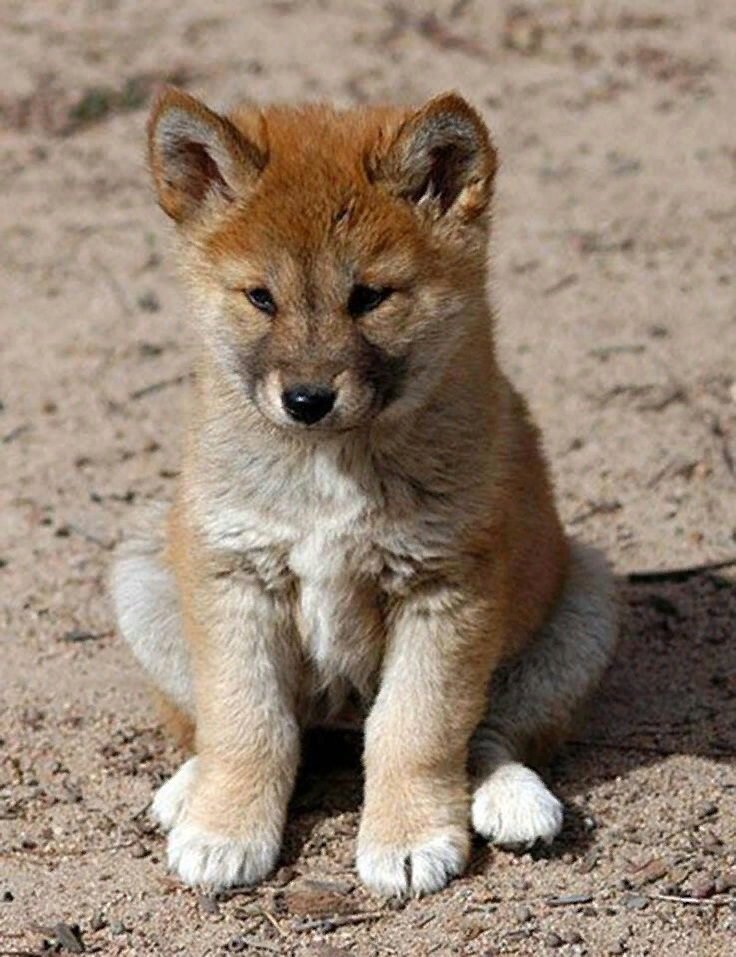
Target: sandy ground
[(614, 277)]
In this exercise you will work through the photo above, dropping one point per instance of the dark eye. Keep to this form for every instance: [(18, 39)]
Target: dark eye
[(262, 299), (364, 299)]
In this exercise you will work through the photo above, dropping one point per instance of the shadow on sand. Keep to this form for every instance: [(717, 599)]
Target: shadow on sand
[(671, 689)]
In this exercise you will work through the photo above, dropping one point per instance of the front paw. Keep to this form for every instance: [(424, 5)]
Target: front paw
[(412, 869), (203, 856), (205, 859)]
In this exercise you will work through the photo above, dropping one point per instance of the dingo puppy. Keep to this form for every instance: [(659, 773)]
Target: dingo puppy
[(363, 504)]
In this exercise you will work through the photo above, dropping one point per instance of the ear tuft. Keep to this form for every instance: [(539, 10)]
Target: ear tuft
[(442, 159), (195, 154)]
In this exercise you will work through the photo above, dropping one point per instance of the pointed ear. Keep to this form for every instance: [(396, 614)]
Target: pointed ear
[(197, 156), (442, 160)]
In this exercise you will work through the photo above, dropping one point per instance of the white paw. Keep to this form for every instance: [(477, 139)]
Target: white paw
[(171, 799), (422, 869), (514, 807), (200, 858)]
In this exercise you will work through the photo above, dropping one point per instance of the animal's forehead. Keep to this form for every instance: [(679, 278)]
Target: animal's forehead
[(314, 199), (317, 131), (318, 157)]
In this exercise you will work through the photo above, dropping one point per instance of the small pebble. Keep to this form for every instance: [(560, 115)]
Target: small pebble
[(138, 850), (149, 302), (8, 896), (208, 905), (97, 921), (711, 843), (651, 872), (723, 883), (305, 901), (678, 875), (703, 888), (69, 937), (622, 165), (324, 949), (568, 900), (635, 902), (33, 717), (329, 885), (523, 914), (551, 939), (117, 928), (589, 862), (283, 876)]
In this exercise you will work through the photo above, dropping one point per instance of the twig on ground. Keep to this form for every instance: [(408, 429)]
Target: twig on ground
[(90, 536), (603, 507), (697, 901), (83, 852), (662, 752), (77, 635), (114, 286), (678, 574), (561, 284), (157, 386), (139, 814), (343, 920), (14, 433), (260, 944), (722, 435), (272, 920)]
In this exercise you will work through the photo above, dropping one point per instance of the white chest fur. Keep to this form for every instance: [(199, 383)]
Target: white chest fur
[(314, 522), (334, 563)]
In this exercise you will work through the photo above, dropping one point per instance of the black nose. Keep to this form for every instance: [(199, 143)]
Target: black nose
[(308, 403)]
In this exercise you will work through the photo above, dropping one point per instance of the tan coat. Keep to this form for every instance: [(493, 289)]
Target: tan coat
[(363, 506)]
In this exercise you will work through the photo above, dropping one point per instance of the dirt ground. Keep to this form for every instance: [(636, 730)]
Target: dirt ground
[(615, 242)]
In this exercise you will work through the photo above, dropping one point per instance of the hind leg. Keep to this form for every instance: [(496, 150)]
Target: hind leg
[(533, 702), (146, 600)]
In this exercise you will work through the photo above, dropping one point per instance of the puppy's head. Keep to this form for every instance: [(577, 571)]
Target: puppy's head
[(333, 257)]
